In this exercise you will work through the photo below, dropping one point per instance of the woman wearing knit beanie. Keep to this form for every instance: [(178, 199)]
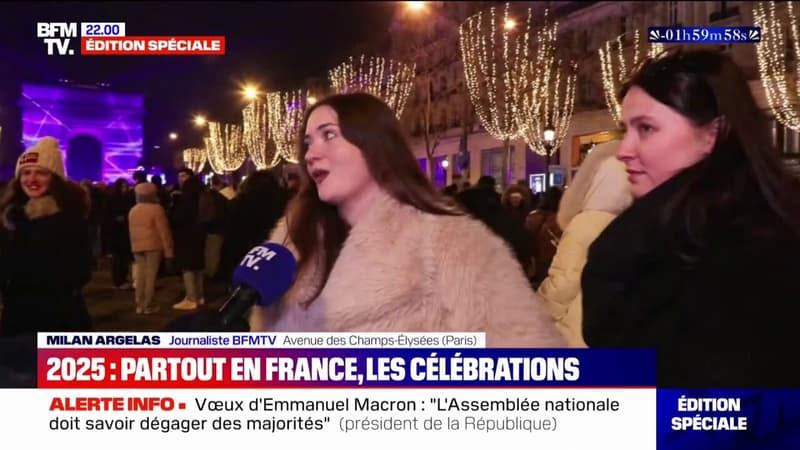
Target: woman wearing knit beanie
[(45, 256)]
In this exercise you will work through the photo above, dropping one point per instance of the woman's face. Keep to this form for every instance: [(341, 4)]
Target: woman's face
[(515, 199), (182, 177), (337, 167), (35, 181), (659, 142)]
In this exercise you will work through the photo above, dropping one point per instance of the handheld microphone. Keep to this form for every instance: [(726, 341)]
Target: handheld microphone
[(263, 277)]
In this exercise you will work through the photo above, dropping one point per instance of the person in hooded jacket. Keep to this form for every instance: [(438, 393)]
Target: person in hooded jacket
[(45, 254), (151, 239), (599, 192)]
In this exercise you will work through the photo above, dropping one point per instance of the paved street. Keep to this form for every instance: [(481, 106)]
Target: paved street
[(114, 309)]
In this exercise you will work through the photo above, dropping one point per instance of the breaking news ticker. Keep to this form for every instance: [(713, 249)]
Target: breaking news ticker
[(353, 388)]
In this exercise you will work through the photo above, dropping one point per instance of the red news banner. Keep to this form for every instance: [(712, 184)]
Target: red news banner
[(153, 45)]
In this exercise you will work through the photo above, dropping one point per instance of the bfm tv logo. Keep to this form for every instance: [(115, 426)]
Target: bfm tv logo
[(57, 36), (109, 38)]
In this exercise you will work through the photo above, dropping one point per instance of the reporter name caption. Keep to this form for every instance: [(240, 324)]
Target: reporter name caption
[(467, 396), (259, 340)]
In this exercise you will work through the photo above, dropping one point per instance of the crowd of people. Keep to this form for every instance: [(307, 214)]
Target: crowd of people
[(681, 237), (56, 231)]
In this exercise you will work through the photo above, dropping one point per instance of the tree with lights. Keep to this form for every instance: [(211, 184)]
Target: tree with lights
[(546, 106), (195, 159), (256, 134), (285, 116), (225, 147), (615, 67), (779, 38), (495, 49), (431, 41), (389, 80)]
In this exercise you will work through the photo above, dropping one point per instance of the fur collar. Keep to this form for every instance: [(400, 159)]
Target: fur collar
[(36, 208), (32, 210)]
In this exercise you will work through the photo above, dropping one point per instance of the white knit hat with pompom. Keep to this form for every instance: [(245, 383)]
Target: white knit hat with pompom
[(46, 154)]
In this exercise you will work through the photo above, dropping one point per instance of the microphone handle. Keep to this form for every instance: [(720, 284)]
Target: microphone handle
[(240, 300)]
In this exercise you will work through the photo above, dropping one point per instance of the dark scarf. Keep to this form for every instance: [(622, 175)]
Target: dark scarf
[(637, 265), (627, 252)]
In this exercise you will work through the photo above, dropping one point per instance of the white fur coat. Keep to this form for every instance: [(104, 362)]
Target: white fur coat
[(403, 270)]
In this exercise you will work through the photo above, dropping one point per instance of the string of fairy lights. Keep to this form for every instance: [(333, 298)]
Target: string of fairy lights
[(285, 116), (772, 65), (495, 56), (613, 75), (549, 103), (386, 79), (255, 120), (225, 147), (195, 159)]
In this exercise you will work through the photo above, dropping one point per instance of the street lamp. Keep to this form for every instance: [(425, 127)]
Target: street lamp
[(415, 6), (549, 137), (310, 100), (445, 164), (250, 92), (199, 120), (509, 24), (173, 136)]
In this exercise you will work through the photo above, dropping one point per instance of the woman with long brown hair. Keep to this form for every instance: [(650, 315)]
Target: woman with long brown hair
[(703, 266), (45, 256), (380, 250)]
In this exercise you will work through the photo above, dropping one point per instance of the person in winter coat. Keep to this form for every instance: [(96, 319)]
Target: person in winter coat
[(161, 193), (120, 202), (703, 266), (214, 212), (45, 255), (380, 250), (599, 192), (260, 203), (483, 203), (544, 233), (190, 241), (151, 240), (517, 201)]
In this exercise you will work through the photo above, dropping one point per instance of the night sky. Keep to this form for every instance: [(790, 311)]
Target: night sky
[(276, 44)]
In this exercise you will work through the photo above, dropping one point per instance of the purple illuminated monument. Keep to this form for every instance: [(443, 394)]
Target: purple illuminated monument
[(99, 131)]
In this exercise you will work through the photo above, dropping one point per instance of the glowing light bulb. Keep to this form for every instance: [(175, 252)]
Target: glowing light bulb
[(415, 6)]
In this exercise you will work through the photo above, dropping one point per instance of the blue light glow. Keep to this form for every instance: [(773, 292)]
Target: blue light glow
[(112, 120)]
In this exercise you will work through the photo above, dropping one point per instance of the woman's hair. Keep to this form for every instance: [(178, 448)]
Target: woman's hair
[(370, 125), (116, 188), (192, 187), (517, 189), (69, 196), (258, 182), (706, 86)]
